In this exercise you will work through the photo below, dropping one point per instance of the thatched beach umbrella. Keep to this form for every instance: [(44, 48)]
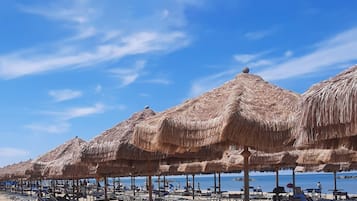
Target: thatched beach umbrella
[(329, 112), (325, 156), (64, 162), (18, 171), (246, 111), (113, 154), (113, 144), (271, 161), (326, 160)]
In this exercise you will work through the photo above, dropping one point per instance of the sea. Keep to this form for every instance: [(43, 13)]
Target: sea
[(346, 181)]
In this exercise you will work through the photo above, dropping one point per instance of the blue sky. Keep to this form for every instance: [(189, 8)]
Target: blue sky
[(76, 68)]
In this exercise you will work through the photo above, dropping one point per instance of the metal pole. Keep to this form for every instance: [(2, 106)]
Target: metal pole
[(193, 186), (72, 187), (114, 185), (158, 185), (276, 177), (22, 187), (215, 183), (105, 188), (133, 185), (186, 182), (219, 184), (277, 183), (293, 181), (335, 184), (164, 183), (77, 187)]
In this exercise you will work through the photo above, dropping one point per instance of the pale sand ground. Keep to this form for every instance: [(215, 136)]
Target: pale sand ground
[(10, 197)]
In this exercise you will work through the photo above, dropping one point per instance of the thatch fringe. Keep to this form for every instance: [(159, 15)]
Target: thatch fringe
[(16, 171), (329, 109), (331, 167), (325, 156), (63, 162), (114, 143)]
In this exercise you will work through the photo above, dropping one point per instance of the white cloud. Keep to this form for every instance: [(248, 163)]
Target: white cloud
[(55, 128), (128, 75), (165, 13), (245, 58), (21, 63), (109, 35), (83, 111), (207, 83), (288, 53), (83, 33), (77, 112), (64, 94), (257, 35), (144, 95), (342, 48), (56, 12), (260, 63), (98, 88), (159, 81), (110, 40), (12, 152)]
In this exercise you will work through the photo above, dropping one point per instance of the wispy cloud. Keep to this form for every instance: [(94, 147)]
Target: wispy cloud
[(98, 88), (257, 35), (288, 53), (20, 64), (244, 58), (109, 41), (144, 95), (12, 152), (342, 48), (76, 12), (254, 60), (61, 119), (128, 75), (81, 111), (64, 94), (54, 128), (159, 81), (207, 83)]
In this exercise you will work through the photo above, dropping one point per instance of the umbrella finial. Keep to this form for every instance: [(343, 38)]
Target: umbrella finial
[(245, 70), (146, 107)]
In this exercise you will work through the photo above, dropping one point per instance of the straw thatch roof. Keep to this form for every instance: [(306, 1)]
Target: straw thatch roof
[(171, 169), (191, 168), (112, 149), (16, 171), (330, 167), (126, 168), (325, 156), (269, 161), (328, 110), (113, 144), (232, 161), (246, 111), (64, 161)]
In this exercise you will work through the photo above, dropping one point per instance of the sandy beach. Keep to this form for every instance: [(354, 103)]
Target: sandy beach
[(13, 197)]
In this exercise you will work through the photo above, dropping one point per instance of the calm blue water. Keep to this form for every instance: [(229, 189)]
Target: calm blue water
[(265, 181)]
